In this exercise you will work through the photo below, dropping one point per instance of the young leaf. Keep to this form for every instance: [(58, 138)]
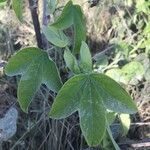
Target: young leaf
[(18, 8), (86, 59), (125, 123), (36, 68), (55, 36), (71, 61), (91, 95), (72, 15), (66, 19)]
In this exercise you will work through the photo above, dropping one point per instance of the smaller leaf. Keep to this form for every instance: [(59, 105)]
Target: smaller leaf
[(86, 59), (72, 15), (55, 36), (66, 19), (125, 123), (71, 62), (18, 8)]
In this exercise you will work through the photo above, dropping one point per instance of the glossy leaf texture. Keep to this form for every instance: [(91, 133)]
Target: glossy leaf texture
[(55, 36), (36, 68), (18, 8), (90, 95), (72, 15)]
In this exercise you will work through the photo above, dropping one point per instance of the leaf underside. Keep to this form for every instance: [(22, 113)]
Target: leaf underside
[(91, 95), (71, 62), (55, 36), (36, 68)]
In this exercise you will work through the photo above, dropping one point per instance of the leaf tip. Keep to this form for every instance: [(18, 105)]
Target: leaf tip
[(53, 115), (24, 109), (8, 71)]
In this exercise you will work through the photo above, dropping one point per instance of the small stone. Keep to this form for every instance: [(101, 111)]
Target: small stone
[(8, 124)]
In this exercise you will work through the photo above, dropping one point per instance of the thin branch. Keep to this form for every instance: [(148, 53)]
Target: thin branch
[(33, 8), (45, 21)]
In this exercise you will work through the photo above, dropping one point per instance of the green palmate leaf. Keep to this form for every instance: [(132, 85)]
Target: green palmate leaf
[(91, 95), (55, 36), (18, 8), (36, 68), (71, 61), (125, 123), (86, 59), (72, 15)]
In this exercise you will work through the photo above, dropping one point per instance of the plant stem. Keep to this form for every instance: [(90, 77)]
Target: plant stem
[(45, 20), (36, 24)]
